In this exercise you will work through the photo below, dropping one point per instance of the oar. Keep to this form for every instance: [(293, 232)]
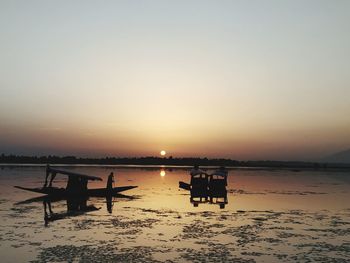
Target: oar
[(185, 186)]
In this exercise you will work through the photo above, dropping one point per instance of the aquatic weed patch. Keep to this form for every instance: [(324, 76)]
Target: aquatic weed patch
[(88, 253), (213, 253)]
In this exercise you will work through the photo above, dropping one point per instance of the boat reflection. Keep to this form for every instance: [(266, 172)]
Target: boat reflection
[(210, 197), (75, 207)]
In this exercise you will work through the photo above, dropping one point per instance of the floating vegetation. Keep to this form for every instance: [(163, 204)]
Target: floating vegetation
[(204, 236), (22, 210), (216, 253), (88, 253), (3, 201)]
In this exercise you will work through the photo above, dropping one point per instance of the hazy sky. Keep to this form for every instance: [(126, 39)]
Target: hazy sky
[(238, 79)]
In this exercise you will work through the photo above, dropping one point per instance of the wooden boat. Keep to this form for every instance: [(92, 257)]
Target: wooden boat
[(97, 192), (214, 186), (207, 189), (76, 185)]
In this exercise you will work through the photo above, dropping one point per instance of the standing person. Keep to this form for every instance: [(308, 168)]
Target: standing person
[(110, 182), (48, 172)]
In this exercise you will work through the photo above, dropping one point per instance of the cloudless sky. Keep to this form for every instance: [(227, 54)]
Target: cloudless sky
[(237, 79)]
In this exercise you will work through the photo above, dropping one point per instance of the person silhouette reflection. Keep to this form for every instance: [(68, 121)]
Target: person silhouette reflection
[(109, 203)]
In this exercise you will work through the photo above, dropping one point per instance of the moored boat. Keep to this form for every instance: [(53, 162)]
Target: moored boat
[(76, 185)]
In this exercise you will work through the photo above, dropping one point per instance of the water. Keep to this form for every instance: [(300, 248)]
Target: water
[(271, 216)]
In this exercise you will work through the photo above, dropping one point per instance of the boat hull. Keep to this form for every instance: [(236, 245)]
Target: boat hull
[(62, 192)]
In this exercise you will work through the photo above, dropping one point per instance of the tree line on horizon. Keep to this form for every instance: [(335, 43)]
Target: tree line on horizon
[(184, 161)]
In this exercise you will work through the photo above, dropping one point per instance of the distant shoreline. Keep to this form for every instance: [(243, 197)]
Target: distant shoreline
[(176, 167), (169, 162)]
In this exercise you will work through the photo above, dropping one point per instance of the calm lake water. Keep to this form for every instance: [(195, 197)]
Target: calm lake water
[(271, 216)]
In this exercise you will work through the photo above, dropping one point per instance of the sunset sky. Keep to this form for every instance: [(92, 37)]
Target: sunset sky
[(235, 79)]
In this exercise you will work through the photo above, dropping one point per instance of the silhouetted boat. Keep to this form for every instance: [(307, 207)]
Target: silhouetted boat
[(206, 188), (97, 192), (76, 185)]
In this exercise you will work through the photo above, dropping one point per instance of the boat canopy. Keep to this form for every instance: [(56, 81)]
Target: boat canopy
[(88, 177)]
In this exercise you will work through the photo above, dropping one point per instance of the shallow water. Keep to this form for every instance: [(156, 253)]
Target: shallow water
[(271, 216)]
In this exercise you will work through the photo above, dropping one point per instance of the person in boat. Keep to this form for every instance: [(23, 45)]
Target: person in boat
[(48, 172), (110, 181), (74, 185), (219, 173), (84, 184), (198, 177), (195, 171)]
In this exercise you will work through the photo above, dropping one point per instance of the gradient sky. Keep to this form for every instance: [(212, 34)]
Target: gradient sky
[(237, 79)]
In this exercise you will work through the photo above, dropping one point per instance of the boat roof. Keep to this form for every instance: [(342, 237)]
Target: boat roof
[(88, 177)]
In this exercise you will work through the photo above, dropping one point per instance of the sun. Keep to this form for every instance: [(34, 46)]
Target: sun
[(162, 152)]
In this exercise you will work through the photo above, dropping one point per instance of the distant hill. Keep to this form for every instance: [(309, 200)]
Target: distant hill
[(340, 157)]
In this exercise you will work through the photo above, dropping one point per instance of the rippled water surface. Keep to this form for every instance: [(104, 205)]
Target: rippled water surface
[(271, 216)]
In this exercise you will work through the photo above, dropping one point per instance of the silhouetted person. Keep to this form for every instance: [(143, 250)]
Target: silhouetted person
[(198, 177), (195, 171), (74, 184), (83, 183), (221, 172), (48, 172), (110, 182)]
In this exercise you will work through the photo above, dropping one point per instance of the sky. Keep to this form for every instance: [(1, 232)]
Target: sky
[(234, 79)]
